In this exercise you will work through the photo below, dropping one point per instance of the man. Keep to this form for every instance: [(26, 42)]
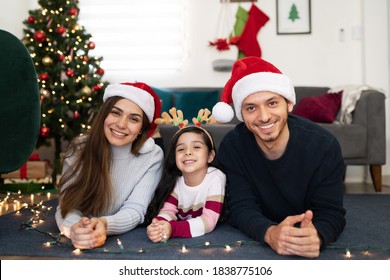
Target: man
[(284, 173)]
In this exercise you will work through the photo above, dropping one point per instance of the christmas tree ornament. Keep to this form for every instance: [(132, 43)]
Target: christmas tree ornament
[(61, 30), (97, 87), (31, 19), (47, 61), (86, 90), (70, 73), (76, 115), (44, 131), (77, 27), (61, 57), (40, 36), (44, 76), (99, 71), (91, 45), (73, 11)]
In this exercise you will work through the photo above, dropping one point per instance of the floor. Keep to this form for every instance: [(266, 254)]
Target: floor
[(14, 202), (355, 188)]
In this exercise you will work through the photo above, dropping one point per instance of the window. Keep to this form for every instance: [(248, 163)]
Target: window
[(135, 36)]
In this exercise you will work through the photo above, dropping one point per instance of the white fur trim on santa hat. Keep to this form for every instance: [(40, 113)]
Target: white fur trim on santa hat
[(261, 81), (223, 112), (137, 95)]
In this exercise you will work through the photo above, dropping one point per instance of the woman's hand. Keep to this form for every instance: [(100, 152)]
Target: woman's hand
[(88, 233)]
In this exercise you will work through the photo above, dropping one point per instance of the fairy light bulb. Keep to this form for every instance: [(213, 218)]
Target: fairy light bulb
[(184, 249), (120, 244), (207, 244), (348, 253), (228, 248), (77, 252)]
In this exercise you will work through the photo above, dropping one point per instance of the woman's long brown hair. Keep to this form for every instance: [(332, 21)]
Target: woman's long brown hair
[(90, 187)]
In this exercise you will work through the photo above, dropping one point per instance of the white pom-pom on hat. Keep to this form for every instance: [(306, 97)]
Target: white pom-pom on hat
[(223, 112)]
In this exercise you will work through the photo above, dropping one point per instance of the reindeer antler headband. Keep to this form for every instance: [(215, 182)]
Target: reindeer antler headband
[(176, 118)]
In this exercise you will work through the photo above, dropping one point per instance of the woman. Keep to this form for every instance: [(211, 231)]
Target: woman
[(109, 175)]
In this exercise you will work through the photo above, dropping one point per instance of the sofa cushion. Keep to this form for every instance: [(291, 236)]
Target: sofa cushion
[(190, 102), (322, 108), (166, 97)]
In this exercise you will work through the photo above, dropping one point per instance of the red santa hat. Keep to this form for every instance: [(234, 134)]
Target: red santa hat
[(142, 95), (249, 75)]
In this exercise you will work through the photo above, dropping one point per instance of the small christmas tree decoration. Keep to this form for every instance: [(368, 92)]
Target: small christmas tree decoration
[(44, 76), (39, 36), (47, 61), (44, 132), (61, 30), (99, 71), (31, 19), (91, 45), (86, 90)]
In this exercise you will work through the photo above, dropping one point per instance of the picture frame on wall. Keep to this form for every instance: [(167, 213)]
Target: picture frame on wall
[(293, 17)]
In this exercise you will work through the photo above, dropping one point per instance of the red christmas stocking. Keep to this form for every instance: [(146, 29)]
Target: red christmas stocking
[(248, 41)]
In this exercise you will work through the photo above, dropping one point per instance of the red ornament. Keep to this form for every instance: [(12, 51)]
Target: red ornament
[(91, 45), (100, 71), (39, 36), (97, 87), (61, 30), (44, 131), (76, 115), (69, 73), (61, 57), (31, 19), (44, 76), (73, 11), (86, 59)]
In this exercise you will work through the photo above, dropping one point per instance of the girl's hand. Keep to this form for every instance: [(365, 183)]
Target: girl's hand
[(159, 231)]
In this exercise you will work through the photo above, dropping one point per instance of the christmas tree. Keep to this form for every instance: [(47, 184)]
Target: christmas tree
[(69, 78), (294, 14)]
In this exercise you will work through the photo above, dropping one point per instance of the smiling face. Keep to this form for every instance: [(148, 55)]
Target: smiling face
[(192, 157), (265, 115), (123, 124)]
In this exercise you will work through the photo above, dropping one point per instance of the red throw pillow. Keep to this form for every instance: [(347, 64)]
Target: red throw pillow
[(322, 108)]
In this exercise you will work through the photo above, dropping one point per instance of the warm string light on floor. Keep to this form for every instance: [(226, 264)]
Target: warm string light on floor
[(16, 202), (350, 252), (40, 212)]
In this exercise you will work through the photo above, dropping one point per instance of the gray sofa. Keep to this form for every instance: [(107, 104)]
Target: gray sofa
[(362, 143)]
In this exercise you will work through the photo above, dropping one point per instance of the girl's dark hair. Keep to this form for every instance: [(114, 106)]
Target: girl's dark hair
[(171, 172)]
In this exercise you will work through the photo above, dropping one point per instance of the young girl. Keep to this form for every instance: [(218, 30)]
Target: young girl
[(189, 197), (109, 176)]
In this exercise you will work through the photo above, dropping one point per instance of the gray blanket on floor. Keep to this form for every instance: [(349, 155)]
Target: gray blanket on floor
[(366, 236)]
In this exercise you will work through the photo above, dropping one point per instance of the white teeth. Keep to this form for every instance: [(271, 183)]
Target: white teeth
[(118, 133), (189, 161), (266, 126)]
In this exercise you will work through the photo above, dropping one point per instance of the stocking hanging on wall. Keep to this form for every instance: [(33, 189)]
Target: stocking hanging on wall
[(247, 41)]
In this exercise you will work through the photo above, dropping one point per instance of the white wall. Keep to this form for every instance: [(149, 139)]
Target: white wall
[(317, 59)]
